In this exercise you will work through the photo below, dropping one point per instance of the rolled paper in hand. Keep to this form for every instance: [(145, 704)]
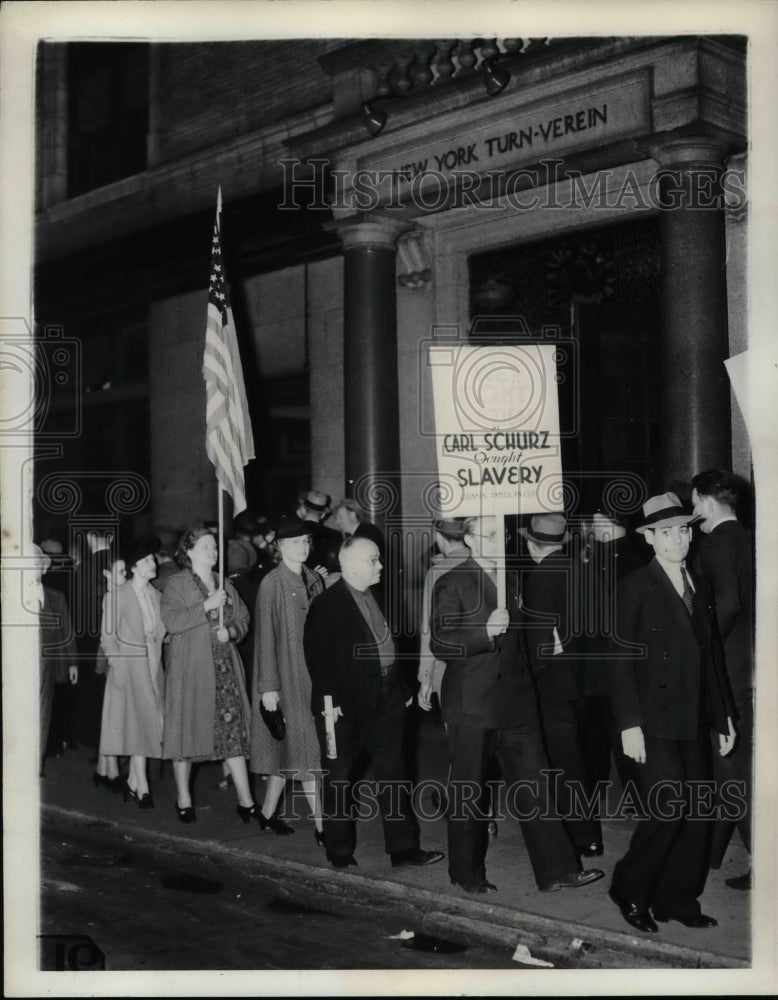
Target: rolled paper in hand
[(329, 727)]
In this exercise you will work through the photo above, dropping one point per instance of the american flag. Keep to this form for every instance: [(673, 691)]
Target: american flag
[(229, 442)]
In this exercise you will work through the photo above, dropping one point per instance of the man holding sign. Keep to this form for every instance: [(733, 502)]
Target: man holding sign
[(489, 706)]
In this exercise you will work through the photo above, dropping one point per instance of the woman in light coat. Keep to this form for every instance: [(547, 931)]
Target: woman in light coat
[(207, 711), (131, 638)]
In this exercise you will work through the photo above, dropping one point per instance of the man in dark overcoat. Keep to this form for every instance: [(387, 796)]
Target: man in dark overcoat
[(490, 710), (725, 560), (669, 690), (351, 657)]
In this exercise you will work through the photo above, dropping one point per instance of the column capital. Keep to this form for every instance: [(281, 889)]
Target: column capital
[(370, 229), (689, 151)]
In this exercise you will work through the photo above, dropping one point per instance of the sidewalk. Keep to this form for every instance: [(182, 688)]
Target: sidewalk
[(572, 928)]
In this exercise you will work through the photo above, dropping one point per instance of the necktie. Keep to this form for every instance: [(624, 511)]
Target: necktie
[(688, 593)]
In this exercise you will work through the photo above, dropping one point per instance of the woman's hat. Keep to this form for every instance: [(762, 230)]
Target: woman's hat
[(293, 527), (241, 556), (664, 511), (145, 545), (548, 529)]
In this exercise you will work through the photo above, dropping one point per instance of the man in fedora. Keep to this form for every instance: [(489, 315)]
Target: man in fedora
[(547, 593), (489, 707), (314, 507), (669, 689)]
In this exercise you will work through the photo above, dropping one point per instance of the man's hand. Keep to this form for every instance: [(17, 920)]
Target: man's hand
[(336, 713), (322, 571), (222, 634), (633, 744), (498, 622), (424, 696), (73, 674), (270, 700), (727, 742)]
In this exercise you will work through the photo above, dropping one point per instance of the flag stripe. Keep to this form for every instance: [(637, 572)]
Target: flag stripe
[(229, 442)]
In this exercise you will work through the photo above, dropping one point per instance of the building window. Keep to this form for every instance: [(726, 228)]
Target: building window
[(108, 113)]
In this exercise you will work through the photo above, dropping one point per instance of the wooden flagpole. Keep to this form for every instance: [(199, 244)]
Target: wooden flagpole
[(221, 550)]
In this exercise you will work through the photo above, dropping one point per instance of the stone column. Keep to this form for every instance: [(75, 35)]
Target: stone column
[(695, 412), (370, 364)]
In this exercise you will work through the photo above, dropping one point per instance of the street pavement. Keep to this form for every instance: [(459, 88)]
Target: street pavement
[(568, 929)]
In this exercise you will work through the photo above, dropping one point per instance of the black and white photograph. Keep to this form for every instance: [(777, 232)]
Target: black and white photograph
[(388, 446)]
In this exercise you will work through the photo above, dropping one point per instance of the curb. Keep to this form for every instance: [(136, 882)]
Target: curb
[(534, 939)]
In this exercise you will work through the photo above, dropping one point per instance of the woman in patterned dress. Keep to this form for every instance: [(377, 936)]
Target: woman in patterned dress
[(281, 677), (206, 706)]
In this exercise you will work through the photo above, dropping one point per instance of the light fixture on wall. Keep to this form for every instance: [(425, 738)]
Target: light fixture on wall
[(495, 79), (373, 119)]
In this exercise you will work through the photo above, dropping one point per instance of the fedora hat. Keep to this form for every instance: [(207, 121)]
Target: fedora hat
[(314, 500), (664, 511), (241, 556), (452, 527), (548, 529)]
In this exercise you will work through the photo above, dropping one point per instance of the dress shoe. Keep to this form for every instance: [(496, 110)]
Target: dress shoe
[(635, 915), (593, 850), (481, 888), (343, 862), (572, 881), (741, 881), (145, 801), (186, 814), (274, 823), (698, 920), (414, 857), (101, 780)]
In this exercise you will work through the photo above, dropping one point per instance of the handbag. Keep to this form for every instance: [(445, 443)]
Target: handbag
[(274, 721)]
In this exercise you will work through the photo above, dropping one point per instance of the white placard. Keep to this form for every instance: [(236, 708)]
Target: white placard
[(496, 429)]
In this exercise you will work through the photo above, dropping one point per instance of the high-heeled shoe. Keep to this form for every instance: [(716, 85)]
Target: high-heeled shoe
[(186, 814), (274, 823), (128, 792), (247, 813), (116, 784), (101, 780), (318, 836), (146, 801)]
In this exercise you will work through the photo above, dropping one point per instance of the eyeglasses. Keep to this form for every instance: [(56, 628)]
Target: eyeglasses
[(490, 537), (373, 560)]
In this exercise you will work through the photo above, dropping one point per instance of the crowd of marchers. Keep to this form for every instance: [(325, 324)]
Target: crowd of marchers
[(624, 648)]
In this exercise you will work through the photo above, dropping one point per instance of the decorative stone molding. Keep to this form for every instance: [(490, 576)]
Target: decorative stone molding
[(413, 261)]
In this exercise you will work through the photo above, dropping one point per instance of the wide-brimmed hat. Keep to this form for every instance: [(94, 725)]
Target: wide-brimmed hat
[(314, 500), (548, 529), (293, 527), (139, 548), (451, 527), (664, 511), (241, 556)]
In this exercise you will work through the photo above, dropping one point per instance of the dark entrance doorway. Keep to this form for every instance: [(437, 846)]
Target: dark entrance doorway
[(598, 292)]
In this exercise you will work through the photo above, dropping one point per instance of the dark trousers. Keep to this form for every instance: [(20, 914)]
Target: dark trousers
[(522, 759), (736, 766), (666, 864), (601, 740), (88, 714), (563, 746), (381, 736)]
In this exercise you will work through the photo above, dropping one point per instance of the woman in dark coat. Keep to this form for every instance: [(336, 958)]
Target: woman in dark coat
[(131, 638), (281, 677), (206, 706)]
